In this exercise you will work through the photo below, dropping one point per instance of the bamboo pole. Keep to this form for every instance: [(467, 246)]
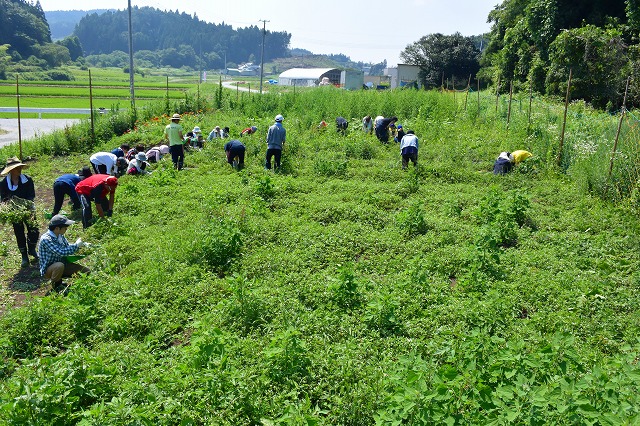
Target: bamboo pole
[(93, 132), (615, 143), (453, 87), (467, 95), (478, 80), (19, 124), (530, 100), (497, 94), (564, 120), (510, 100)]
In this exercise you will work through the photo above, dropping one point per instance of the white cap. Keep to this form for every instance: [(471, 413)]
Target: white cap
[(279, 118)]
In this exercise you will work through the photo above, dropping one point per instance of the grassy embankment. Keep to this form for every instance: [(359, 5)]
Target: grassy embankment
[(344, 290)]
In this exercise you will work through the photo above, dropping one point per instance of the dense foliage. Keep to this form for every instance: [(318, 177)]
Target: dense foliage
[(23, 26), (538, 42), (442, 56), (343, 290)]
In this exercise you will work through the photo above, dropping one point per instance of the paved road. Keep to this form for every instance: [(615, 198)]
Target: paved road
[(30, 127)]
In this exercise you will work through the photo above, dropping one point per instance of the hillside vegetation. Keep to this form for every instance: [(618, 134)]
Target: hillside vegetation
[(343, 290)]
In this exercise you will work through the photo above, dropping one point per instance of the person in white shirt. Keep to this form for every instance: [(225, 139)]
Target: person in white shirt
[(409, 149), (107, 163)]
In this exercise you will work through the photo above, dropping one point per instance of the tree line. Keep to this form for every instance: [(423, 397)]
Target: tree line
[(176, 39)]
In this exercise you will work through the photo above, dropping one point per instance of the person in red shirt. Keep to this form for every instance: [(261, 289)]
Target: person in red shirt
[(96, 188), (249, 131)]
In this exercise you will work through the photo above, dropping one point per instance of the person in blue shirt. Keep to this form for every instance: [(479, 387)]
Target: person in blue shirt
[(235, 153), (121, 151), (409, 149), (54, 249), (66, 185), (276, 136)]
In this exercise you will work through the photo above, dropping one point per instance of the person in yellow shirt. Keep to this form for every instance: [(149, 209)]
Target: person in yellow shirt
[(520, 155), (173, 134), (507, 160)]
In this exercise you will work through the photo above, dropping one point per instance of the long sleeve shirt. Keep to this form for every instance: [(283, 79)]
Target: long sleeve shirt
[(276, 136), (25, 188), (52, 249)]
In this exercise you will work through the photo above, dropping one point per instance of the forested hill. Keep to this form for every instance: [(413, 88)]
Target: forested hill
[(23, 26), (155, 30)]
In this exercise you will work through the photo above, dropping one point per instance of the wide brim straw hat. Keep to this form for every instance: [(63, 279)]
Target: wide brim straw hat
[(12, 163), (175, 117)]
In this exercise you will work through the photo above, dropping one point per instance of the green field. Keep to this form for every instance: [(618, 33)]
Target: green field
[(342, 290), (108, 88)]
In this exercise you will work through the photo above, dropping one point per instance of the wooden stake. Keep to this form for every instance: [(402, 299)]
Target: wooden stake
[(564, 121), (497, 94), (93, 132), (510, 99), (19, 125), (615, 144), (467, 95), (530, 99)]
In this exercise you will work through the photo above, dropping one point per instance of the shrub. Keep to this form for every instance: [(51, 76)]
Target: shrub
[(412, 221), (219, 245)]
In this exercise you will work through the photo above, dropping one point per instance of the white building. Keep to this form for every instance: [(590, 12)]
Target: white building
[(403, 75), (308, 77)]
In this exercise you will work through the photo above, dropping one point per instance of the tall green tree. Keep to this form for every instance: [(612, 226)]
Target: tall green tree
[(22, 26), (72, 43), (439, 54), (599, 62)]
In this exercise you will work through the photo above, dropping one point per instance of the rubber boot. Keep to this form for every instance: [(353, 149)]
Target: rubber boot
[(32, 251), (25, 257), (32, 242)]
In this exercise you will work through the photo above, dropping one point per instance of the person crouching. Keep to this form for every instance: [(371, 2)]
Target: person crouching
[(53, 250)]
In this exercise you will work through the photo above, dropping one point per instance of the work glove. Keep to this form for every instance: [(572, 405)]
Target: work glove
[(109, 213), (80, 243)]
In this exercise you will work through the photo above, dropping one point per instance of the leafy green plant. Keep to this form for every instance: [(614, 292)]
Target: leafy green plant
[(412, 221), (381, 315), (345, 289), (286, 356), (219, 244)]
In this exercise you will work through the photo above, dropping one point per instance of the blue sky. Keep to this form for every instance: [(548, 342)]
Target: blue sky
[(368, 31)]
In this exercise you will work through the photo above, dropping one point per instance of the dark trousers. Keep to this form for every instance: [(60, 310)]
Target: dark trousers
[(382, 133), (409, 153), (87, 214), (177, 156), (276, 154), (100, 169), (60, 189), (30, 240), (406, 157), (236, 153)]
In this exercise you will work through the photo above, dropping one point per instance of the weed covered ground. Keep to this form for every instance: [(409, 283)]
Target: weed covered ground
[(341, 290)]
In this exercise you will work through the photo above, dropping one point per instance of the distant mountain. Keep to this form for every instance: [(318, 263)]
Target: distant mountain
[(63, 22)]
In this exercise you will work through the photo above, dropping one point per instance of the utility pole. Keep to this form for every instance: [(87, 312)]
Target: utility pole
[(133, 99), (264, 33)]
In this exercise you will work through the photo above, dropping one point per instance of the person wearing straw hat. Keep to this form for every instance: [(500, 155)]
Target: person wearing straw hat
[(96, 188), (18, 188), (138, 166), (54, 250), (173, 135), (66, 185)]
